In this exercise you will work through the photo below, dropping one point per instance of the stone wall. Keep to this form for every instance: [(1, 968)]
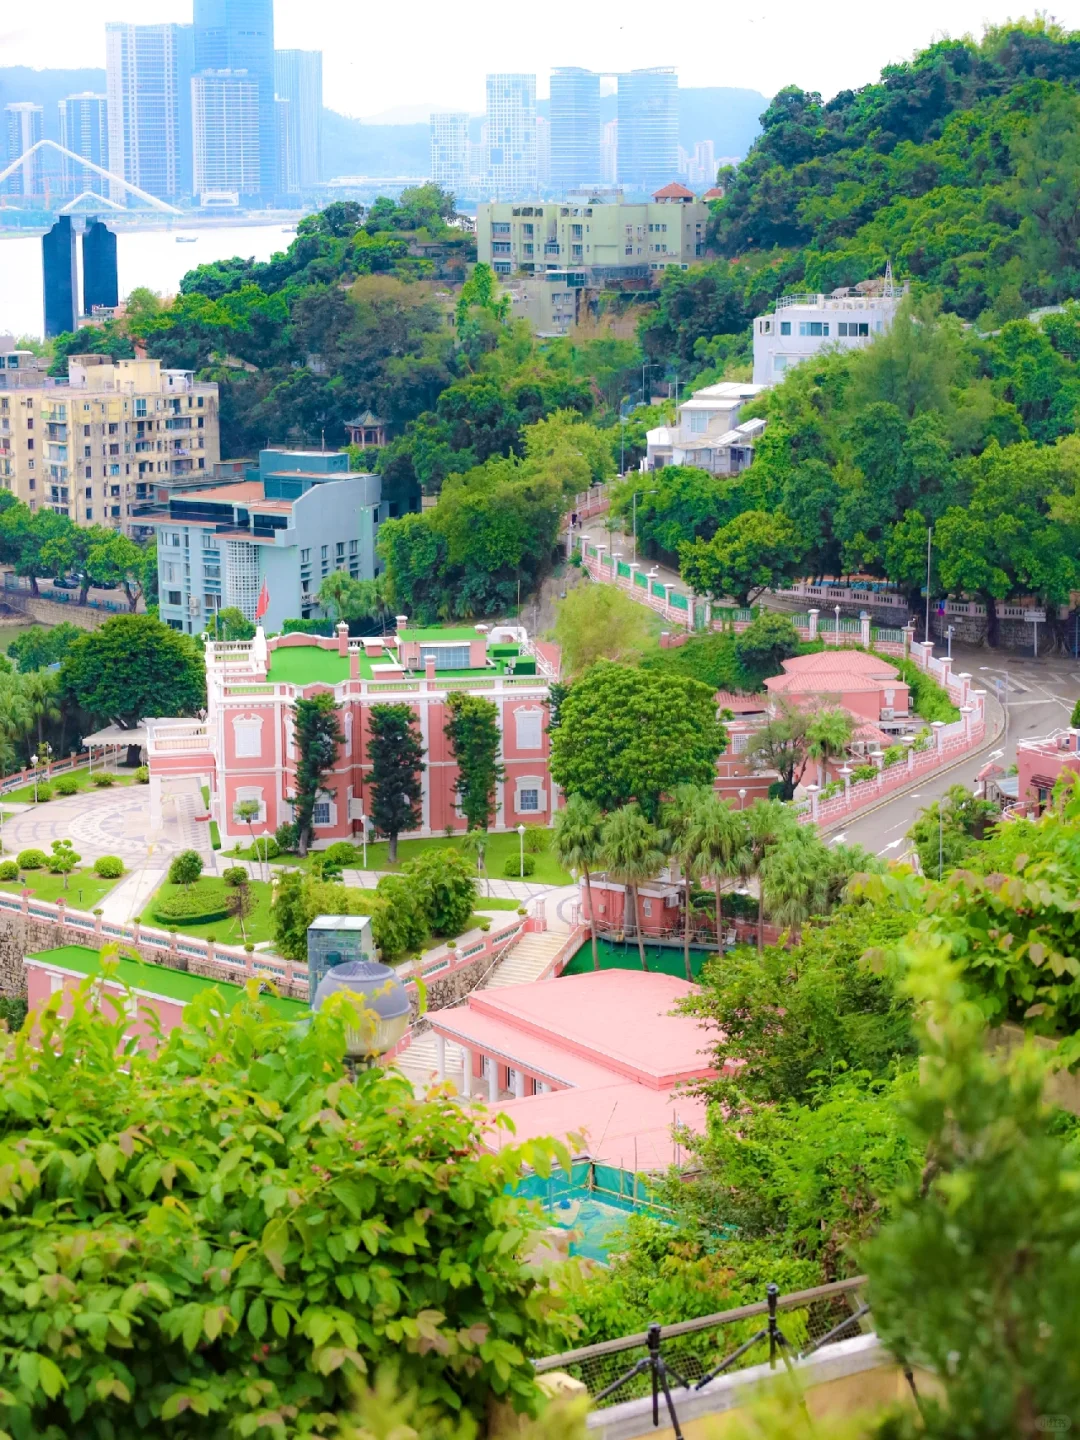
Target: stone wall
[(50, 612)]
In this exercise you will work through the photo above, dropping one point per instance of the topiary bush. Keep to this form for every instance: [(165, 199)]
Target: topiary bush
[(514, 867), (342, 852), (185, 868), (109, 867), (103, 781), (32, 859), (142, 775), (66, 785), (261, 849), (9, 870), (235, 875), (44, 790), (193, 904)]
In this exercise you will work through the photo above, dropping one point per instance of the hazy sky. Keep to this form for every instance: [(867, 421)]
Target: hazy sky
[(381, 57)]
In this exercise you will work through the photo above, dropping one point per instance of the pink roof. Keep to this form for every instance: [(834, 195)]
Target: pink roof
[(623, 1125), (741, 704), (823, 682), (515, 1047), (851, 662), (618, 1019), (674, 191)]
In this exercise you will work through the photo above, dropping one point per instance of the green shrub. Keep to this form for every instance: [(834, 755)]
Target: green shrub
[(142, 775), (103, 780), (185, 868), (43, 790), (193, 904), (287, 837), (894, 754), (537, 839), (109, 867), (342, 852), (32, 859), (215, 836), (446, 886), (399, 922), (263, 849), (12, 1012), (235, 875), (864, 772), (66, 785), (928, 698), (9, 870), (515, 868)]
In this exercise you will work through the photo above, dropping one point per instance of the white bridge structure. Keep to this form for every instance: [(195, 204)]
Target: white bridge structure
[(151, 200)]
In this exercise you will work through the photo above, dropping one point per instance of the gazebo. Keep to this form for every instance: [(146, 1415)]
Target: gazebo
[(367, 431), (114, 738)]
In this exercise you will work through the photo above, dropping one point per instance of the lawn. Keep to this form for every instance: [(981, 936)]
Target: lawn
[(25, 793), (225, 932), (85, 890), (493, 902), (501, 846)]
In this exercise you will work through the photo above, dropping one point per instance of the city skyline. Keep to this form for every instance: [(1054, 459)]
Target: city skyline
[(785, 44)]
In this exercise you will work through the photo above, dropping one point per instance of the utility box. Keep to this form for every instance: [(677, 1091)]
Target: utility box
[(334, 940)]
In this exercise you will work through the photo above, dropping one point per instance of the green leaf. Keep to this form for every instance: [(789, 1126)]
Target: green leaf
[(256, 1317), (279, 1316)]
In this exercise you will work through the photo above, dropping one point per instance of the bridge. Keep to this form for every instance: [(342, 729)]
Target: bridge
[(126, 185)]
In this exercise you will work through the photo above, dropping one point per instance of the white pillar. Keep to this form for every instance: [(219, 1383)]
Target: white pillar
[(963, 679), (909, 637), (813, 618), (466, 1070), (939, 741), (965, 711), (812, 791), (493, 1079), (519, 1084), (440, 1055), (864, 627)]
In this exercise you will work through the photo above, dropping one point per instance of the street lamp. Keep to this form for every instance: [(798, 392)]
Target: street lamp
[(742, 797), (633, 507), (837, 608), (383, 1001), (266, 854), (363, 834), (521, 843), (948, 636), (33, 762)]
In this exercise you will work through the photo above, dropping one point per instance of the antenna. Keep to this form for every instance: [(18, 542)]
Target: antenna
[(888, 275)]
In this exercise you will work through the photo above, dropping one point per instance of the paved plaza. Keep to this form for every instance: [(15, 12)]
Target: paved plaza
[(107, 822)]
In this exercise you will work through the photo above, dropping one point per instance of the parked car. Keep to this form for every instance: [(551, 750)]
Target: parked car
[(67, 582)]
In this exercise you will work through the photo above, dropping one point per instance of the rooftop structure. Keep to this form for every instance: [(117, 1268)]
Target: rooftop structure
[(802, 325), (707, 433), (865, 684)]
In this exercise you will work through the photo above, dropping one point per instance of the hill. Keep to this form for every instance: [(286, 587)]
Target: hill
[(47, 88)]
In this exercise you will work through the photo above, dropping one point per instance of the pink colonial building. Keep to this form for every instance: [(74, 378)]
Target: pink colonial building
[(244, 749)]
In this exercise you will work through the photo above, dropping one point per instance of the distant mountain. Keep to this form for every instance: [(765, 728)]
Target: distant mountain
[(729, 118), (352, 147), (47, 88)]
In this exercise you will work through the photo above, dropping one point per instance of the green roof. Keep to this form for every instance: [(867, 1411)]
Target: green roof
[(309, 664), (441, 635), (312, 665), (158, 979)]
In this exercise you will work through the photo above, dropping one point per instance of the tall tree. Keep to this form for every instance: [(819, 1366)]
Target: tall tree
[(318, 735), (679, 815), (781, 745), (396, 753), (754, 552), (768, 824), (118, 561), (828, 736), (723, 848), (578, 844), (632, 856), (794, 879), (133, 666), (472, 728), (599, 622), (627, 734)]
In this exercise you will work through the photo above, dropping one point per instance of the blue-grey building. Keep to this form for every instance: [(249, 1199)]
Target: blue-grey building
[(295, 518), (59, 269), (648, 140), (101, 282), (238, 36), (575, 129)]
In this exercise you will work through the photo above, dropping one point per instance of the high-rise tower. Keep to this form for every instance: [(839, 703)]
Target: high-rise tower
[(238, 35), (84, 129), (148, 70), (648, 110), (298, 79), (511, 135), (22, 129), (575, 129)]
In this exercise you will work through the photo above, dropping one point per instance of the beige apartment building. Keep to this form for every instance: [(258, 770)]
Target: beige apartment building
[(108, 440), (610, 239)]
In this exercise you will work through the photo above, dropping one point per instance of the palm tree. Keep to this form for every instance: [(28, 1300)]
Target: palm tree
[(768, 822), (40, 695), (474, 844), (578, 843), (679, 815), (632, 855), (794, 878), (828, 736), (723, 848)]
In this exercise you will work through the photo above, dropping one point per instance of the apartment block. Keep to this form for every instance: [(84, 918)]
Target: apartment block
[(23, 128), (511, 135), (450, 158), (148, 81), (295, 517), (100, 445), (298, 79), (648, 111), (84, 130), (610, 240), (803, 325), (226, 120)]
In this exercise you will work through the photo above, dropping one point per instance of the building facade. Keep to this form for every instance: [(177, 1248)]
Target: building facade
[(610, 241), (708, 433), (23, 127), (237, 36), (98, 447), (84, 129), (101, 280), (510, 168), (245, 749), (803, 325), (575, 128), (648, 113), (226, 128), (148, 84), (298, 79), (60, 278), (450, 149), (295, 518)]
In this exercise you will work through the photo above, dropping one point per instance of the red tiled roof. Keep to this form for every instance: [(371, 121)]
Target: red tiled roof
[(853, 662), (821, 682), (741, 704), (674, 191), (714, 194)]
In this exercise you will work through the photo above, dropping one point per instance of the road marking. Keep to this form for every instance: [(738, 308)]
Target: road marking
[(891, 846), (839, 839)]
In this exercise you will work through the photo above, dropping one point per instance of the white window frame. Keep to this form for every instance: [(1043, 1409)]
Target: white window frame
[(247, 731), (530, 782), (249, 792), (531, 721)]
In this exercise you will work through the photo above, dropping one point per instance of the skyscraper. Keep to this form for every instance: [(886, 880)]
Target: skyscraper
[(226, 117), (511, 135), (148, 80), (648, 111), (450, 149), (298, 79), (84, 129), (287, 180), (575, 128), (101, 285), (238, 35), (23, 128), (59, 270)]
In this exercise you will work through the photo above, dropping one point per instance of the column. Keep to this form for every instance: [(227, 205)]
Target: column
[(909, 741), (965, 711), (813, 617), (939, 741), (519, 1084), (668, 588), (466, 1070), (634, 568), (845, 772), (864, 627), (812, 791), (909, 637), (963, 679), (440, 1055), (493, 1079)]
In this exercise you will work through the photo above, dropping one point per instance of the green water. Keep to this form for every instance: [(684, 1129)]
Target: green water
[(659, 959)]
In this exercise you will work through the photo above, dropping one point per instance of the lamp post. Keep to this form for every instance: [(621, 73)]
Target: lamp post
[(837, 609), (633, 508), (742, 797), (929, 543), (384, 1003), (646, 365), (521, 845), (948, 636), (33, 762), (266, 854), (363, 835)]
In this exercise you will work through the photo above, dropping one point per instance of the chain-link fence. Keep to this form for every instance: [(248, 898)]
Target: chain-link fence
[(693, 1352)]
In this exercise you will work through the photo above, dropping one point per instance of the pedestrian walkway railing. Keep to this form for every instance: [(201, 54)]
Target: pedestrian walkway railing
[(670, 1362)]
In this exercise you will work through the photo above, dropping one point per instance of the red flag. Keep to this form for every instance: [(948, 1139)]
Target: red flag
[(264, 603)]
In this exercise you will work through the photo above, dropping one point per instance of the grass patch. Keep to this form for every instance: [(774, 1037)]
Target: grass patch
[(25, 793), (500, 847), (225, 932), (85, 890), (493, 902), (215, 836)]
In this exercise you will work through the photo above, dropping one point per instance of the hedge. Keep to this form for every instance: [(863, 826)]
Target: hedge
[(193, 904)]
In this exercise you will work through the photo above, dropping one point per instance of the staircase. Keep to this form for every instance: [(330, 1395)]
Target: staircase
[(526, 961), (419, 1061)]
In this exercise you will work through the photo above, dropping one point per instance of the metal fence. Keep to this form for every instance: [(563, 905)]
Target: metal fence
[(669, 1360)]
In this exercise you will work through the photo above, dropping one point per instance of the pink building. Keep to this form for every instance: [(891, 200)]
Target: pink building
[(865, 684), (244, 750), (596, 1059), (1039, 764)]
